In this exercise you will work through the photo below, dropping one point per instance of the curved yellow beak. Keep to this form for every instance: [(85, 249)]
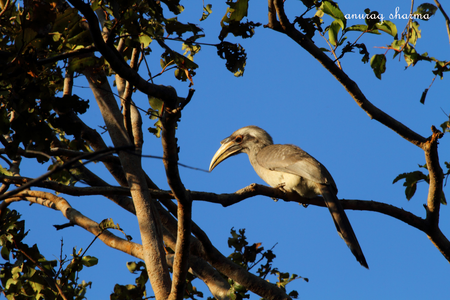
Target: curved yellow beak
[(226, 150)]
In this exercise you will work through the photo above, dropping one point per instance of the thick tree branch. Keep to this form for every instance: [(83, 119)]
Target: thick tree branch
[(75, 217), (135, 121), (230, 199), (148, 219), (351, 87), (116, 60), (436, 176), (218, 286), (202, 247), (72, 124), (184, 211)]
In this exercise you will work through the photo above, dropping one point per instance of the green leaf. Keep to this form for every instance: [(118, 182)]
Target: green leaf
[(359, 27), (333, 10), (156, 104), (242, 29), (89, 261), (131, 266), (235, 56), (5, 251), (362, 28), (414, 33), (174, 6), (445, 126), (108, 224), (373, 19), (363, 50), (207, 10), (388, 27), (236, 11), (4, 171), (56, 36), (411, 180), (425, 11), (79, 64), (333, 31), (172, 25), (410, 54), (378, 64), (397, 45), (145, 40)]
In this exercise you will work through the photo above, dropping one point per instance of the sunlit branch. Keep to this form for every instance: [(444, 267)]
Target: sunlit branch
[(75, 217), (184, 212), (284, 26), (447, 19), (148, 219)]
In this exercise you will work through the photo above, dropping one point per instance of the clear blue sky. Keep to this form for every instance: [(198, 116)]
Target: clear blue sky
[(285, 91)]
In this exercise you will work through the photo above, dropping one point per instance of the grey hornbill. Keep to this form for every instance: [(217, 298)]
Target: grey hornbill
[(291, 169)]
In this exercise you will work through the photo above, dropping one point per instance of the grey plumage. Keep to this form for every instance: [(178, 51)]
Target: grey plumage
[(292, 169)]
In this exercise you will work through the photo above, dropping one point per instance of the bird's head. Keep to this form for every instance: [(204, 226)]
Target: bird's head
[(245, 140)]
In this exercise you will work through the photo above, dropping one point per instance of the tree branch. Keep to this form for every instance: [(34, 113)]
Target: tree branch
[(436, 176), (116, 60), (231, 198), (184, 211), (447, 19), (218, 286), (57, 169), (74, 216), (352, 88), (65, 55), (148, 219)]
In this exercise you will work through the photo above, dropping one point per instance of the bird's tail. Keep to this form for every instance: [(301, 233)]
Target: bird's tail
[(342, 223)]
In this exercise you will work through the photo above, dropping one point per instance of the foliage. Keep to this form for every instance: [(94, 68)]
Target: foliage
[(250, 256), (28, 274)]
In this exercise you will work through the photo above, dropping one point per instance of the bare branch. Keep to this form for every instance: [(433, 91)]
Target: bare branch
[(148, 219), (232, 198), (218, 286), (184, 211), (75, 217), (447, 19), (436, 179)]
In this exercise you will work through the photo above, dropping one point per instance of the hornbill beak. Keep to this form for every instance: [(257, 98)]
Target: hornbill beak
[(228, 148)]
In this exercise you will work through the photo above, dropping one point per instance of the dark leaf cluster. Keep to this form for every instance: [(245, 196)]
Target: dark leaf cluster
[(27, 274)]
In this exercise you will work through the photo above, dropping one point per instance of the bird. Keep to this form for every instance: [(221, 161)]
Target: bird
[(291, 169)]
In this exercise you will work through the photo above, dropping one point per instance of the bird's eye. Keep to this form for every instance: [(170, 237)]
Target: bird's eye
[(238, 139)]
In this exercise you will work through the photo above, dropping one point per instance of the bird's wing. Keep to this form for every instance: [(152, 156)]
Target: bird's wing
[(292, 159), (342, 223)]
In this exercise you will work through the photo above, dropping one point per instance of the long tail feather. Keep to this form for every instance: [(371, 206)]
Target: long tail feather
[(342, 223)]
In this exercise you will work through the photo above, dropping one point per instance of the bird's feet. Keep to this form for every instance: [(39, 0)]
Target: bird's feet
[(281, 187)]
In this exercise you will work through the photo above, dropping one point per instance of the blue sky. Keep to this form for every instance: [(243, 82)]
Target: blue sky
[(286, 92)]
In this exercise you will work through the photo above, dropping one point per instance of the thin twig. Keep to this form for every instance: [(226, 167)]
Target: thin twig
[(87, 156), (447, 19)]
